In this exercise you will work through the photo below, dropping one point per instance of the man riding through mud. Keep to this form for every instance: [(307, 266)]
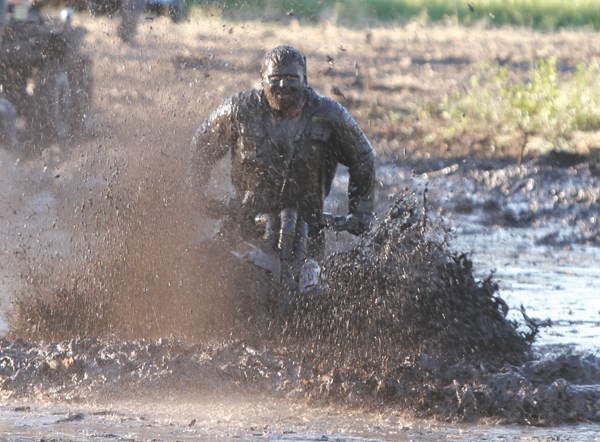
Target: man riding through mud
[(286, 142)]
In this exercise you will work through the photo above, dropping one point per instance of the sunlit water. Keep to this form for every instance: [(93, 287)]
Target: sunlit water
[(253, 421), (556, 286)]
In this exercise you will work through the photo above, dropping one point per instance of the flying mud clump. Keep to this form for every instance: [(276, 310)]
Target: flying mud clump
[(399, 311), (402, 296)]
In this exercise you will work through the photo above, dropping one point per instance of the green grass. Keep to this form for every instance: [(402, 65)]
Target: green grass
[(537, 14), (548, 106)]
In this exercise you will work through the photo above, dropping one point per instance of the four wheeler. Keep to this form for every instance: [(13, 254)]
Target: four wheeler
[(42, 73), (282, 247)]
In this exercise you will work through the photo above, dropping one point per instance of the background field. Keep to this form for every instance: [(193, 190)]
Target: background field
[(501, 89), (541, 14)]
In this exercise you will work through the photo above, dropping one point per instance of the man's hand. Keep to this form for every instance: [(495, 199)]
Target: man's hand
[(359, 223)]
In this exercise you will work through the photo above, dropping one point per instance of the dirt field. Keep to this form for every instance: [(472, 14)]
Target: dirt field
[(176, 74)]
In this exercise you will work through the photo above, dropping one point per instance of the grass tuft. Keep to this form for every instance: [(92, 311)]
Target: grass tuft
[(497, 105)]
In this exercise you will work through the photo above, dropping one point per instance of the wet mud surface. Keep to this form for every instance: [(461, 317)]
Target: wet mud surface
[(113, 334), (370, 341)]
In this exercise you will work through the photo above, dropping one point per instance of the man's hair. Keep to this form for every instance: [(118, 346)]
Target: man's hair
[(285, 54)]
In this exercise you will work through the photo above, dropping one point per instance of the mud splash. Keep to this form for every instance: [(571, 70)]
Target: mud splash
[(412, 330), (115, 264)]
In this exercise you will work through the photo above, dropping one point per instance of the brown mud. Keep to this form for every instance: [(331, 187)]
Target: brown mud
[(112, 294)]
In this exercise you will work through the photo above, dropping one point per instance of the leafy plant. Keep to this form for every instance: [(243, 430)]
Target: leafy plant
[(499, 105)]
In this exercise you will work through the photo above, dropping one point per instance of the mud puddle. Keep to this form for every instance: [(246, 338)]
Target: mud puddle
[(555, 283), (559, 287), (534, 226), (253, 419)]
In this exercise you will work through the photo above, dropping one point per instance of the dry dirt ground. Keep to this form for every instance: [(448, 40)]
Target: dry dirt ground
[(158, 90)]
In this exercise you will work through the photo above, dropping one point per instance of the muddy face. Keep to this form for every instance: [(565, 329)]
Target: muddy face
[(283, 85)]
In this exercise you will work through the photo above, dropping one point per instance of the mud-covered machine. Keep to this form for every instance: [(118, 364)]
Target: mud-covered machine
[(45, 82), (282, 248)]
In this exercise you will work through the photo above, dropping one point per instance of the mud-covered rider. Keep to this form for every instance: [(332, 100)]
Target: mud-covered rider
[(285, 142)]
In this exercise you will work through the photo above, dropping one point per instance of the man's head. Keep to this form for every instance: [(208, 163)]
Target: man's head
[(284, 78)]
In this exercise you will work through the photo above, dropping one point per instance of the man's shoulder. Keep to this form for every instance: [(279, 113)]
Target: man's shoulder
[(239, 104), (326, 107)]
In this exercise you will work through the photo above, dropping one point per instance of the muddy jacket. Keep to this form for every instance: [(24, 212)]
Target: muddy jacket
[(270, 176)]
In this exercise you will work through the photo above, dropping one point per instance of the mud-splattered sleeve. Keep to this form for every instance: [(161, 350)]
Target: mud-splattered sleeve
[(355, 152), (213, 139)]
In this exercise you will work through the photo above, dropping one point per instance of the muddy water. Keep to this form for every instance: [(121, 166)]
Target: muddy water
[(557, 285), (543, 250), (246, 418)]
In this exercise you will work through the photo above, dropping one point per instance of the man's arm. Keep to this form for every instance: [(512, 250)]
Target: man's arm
[(210, 143), (357, 154)]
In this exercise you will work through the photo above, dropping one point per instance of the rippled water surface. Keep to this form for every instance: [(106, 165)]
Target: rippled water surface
[(255, 419), (558, 286)]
